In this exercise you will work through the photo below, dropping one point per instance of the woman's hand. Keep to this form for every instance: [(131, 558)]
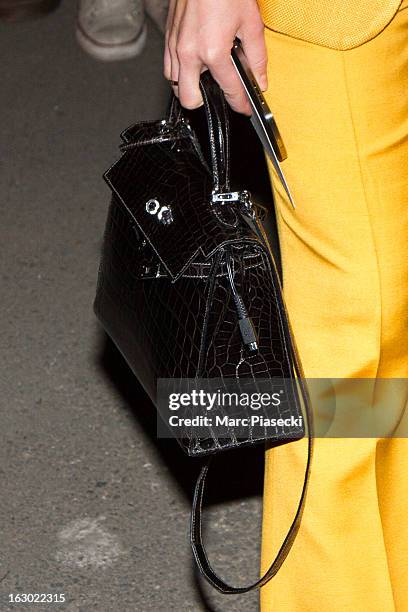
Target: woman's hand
[(200, 35)]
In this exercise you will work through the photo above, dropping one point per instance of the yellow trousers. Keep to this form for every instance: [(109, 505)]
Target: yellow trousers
[(343, 115)]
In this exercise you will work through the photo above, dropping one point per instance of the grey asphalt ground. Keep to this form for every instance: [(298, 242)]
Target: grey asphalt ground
[(92, 505)]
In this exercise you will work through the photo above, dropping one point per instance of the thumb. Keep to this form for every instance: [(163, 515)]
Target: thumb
[(253, 44)]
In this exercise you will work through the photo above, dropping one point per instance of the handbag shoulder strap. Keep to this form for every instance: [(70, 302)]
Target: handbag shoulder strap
[(217, 111), (196, 516)]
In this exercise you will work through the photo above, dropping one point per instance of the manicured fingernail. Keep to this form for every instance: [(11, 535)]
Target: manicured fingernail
[(263, 82)]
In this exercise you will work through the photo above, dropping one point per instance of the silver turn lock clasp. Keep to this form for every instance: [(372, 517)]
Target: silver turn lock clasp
[(163, 213)]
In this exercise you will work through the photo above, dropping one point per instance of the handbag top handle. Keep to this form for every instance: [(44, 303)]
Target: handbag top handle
[(216, 110)]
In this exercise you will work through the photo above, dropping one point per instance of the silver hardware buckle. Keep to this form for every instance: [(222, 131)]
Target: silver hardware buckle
[(243, 197), (228, 196), (163, 213)]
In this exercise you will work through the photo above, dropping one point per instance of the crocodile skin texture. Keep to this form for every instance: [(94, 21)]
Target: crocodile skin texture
[(163, 292)]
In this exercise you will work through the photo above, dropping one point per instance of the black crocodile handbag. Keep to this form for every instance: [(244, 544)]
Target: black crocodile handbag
[(188, 287)]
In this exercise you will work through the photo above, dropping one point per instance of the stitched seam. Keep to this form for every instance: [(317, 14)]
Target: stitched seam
[(338, 46), (357, 149)]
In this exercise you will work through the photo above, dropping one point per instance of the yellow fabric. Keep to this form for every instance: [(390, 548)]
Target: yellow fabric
[(338, 24), (344, 118)]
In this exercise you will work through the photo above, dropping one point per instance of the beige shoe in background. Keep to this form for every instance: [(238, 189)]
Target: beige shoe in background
[(111, 30)]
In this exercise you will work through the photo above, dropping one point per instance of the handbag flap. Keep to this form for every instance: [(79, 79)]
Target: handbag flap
[(166, 188)]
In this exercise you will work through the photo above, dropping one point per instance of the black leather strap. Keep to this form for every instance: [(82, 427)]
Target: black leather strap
[(196, 513), (218, 128), (216, 111)]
